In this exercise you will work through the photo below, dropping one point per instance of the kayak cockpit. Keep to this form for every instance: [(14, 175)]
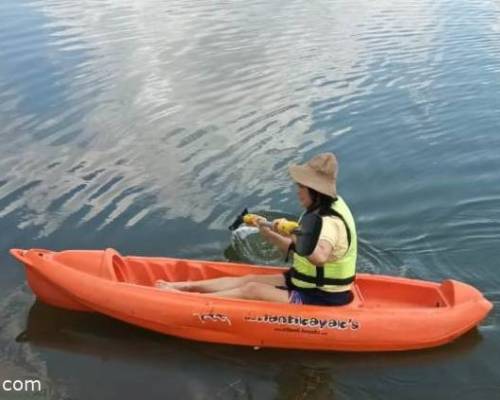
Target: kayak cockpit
[(370, 291)]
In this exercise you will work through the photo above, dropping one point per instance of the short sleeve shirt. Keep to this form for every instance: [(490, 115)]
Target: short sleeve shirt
[(334, 232)]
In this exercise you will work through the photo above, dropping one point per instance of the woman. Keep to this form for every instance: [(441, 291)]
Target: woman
[(322, 278)]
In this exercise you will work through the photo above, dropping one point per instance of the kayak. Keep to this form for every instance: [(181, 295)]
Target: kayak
[(387, 313)]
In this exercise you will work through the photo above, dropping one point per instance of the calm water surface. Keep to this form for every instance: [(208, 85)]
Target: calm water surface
[(147, 125)]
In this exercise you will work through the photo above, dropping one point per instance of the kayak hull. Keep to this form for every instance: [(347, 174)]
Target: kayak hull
[(387, 313)]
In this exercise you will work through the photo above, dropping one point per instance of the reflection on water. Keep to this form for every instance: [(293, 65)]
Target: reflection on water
[(148, 125), (22, 361), (233, 371)]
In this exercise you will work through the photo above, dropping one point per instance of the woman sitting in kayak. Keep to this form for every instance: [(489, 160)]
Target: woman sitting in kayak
[(322, 278)]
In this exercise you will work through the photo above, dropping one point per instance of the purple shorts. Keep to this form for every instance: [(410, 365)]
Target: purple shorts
[(294, 297), (319, 297)]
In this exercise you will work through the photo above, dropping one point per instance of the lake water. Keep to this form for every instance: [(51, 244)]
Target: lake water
[(148, 125)]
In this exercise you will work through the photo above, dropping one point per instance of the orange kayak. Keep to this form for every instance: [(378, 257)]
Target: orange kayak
[(387, 313)]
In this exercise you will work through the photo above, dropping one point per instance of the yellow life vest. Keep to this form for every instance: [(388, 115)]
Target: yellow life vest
[(331, 275)]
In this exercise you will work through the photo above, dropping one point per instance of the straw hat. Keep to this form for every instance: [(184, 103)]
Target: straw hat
[(319, 173)]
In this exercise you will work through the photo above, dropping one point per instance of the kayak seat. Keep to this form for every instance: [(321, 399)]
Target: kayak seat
[(114, 267), (122, 269)]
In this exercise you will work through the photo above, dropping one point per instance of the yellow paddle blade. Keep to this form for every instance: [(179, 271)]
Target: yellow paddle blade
[(250, 219)]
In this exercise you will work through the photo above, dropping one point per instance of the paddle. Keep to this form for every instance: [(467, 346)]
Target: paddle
[(307, 232)]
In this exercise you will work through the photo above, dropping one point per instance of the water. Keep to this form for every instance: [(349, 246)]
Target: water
[(148, 125)]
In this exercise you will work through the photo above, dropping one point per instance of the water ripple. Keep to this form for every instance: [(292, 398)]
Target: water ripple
[(128, 120)]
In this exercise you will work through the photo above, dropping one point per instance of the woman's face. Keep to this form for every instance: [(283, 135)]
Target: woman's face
[(304, 196)]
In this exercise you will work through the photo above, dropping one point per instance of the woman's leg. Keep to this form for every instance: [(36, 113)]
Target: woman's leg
[(255, 291), (222, 284)]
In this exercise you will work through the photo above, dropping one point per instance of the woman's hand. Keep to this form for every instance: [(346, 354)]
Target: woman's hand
[(276, 225), (264, 230), (258, 221), (272, 237)]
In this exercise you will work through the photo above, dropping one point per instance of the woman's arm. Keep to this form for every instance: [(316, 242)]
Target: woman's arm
[(280, 241), (319, 256), (326, 242), (321, 253)]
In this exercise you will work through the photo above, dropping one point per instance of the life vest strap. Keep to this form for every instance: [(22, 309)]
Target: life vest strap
[(291, 248), (319, 279)]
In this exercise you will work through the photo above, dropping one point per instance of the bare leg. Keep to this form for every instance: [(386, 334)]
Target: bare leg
[(255, 291), (222, 284)]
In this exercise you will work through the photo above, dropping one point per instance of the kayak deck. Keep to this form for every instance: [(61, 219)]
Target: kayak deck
[(369, 290)]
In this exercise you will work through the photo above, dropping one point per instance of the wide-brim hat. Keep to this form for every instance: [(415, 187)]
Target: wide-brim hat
[(319, 173)]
